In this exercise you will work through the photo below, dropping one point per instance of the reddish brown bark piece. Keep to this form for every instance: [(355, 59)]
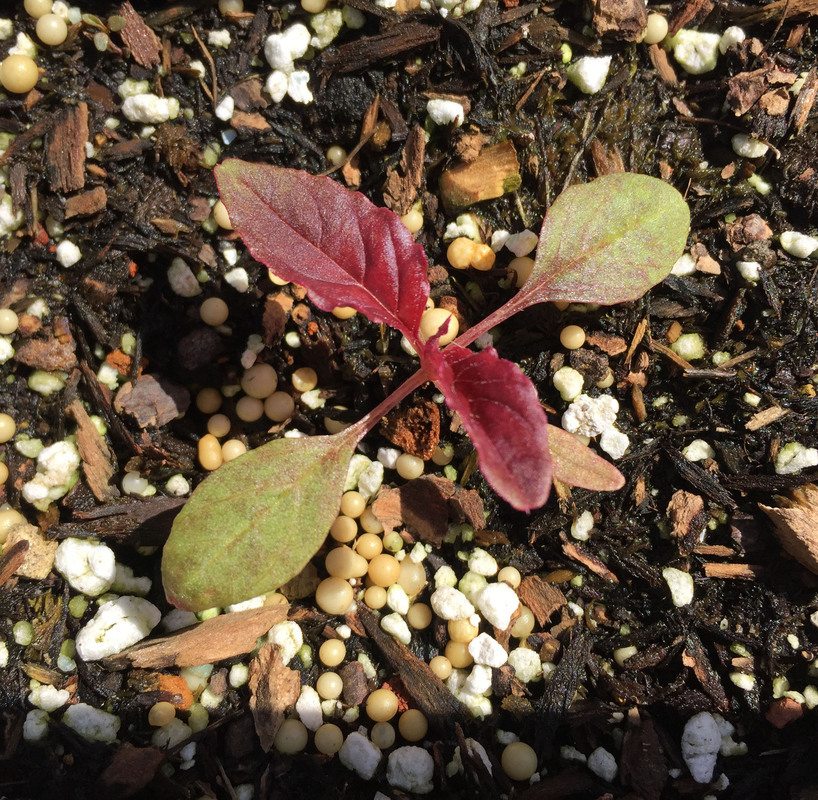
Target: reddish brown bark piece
[(745, 230), (65, 153), (131, 769), (12, 559), (805, 101), (276, 309), (415, 428), (248, 95), (404, 180), (250, 121), (621, 19), (274, 688), (49, 355), (608, 344), (139, 38), (686, 513), (783, 711), (746, 88), (542, 598), (98, 461), (796, 524), (86, 203), (746, 572), (215, 639), (493, 173), (152, 401), (427, 690), (362, 53), (642, 762), (356, 688), (577, 553)]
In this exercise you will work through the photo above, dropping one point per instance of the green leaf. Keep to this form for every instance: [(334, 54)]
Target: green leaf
[(608, 241), (254, 523), (578, 465)]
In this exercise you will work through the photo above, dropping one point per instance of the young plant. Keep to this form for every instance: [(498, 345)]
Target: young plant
[(255, 523)]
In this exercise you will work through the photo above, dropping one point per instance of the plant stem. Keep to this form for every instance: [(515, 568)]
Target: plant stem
[(509, 309)]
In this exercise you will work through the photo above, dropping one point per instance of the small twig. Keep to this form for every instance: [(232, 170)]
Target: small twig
[(214, 93)]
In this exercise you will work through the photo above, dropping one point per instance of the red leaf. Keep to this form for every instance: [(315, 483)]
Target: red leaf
[(501, 414), (342, 248), (578, 465)]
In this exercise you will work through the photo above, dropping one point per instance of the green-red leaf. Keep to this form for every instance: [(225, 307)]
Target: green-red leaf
[(255, 523), (608, 241), (578, 465)]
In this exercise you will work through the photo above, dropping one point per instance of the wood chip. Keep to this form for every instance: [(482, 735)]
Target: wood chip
[(139, 38), (152, 401), (99, 463), (216, 639), (542, 598), (131, 770), (766, 417), (404, 180), (12, 558), (86, 203), (620, 19), (775, 103), (796, 524), (741, 571), (363, 53), (50, 355), (429, 693), (578, 553), (414, 428), (642, 762), (38, 555), (274, 688), (661, 63), (687, 516), (495, 172), (274, 319), (65, 150), (608, 344), (805, 101)]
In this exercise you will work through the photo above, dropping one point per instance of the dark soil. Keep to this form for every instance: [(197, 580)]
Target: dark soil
[(753, 602)]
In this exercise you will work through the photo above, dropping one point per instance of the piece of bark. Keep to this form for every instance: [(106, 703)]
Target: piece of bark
[(747, 572), (765, 417), (86, 203), (152, 401), (50, 355), (404, 180), (356, 687), (661, 63), (687, 517), (249, 96), (495, 172), (216, 639), (65, 151), (542, 598), (98, 460), (775, 103), (796, 524), (642, 761), (429, 693), (745, 89), (139, 37), (805, 101), (11, 559), (363, 53), (131, 770), (274, 688), (782, 711), (248, 121), (777, 10), (578, 553), (414, 428), (621, 19), (39, 553)]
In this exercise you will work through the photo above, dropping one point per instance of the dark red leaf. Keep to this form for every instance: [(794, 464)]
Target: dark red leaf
[(500, 412), (342, 248)]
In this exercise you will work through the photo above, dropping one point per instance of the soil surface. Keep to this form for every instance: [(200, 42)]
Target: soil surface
[(135, 195)]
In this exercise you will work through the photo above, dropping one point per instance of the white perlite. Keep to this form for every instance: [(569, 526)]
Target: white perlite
[(603, 764), (680, 584), (116, 625), (57, 471), (568, 382), (182, 280), (88, 566), (798, 244), (395, 625), (497, 602), (92, 723), (698, 450), (487, 651), (697, 52), (411, 769), (701, 741), (526, 663), (308, 708), (522, 243), (148, 108), (68, 253), (747, 146), (793, 457), (589, 416), (360, 755), (288, 636), (451, 604), (589, 73), (445, 112)]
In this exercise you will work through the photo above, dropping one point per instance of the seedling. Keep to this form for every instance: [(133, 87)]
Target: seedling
[(255, 523)]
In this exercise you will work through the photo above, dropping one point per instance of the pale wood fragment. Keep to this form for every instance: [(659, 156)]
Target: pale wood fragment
[(796, 524), (274, 688), (492, 174), (765, 417)]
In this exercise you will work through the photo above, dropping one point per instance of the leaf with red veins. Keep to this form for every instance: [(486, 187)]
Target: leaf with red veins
[(578, 465), (501, 413), (312, 231)]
